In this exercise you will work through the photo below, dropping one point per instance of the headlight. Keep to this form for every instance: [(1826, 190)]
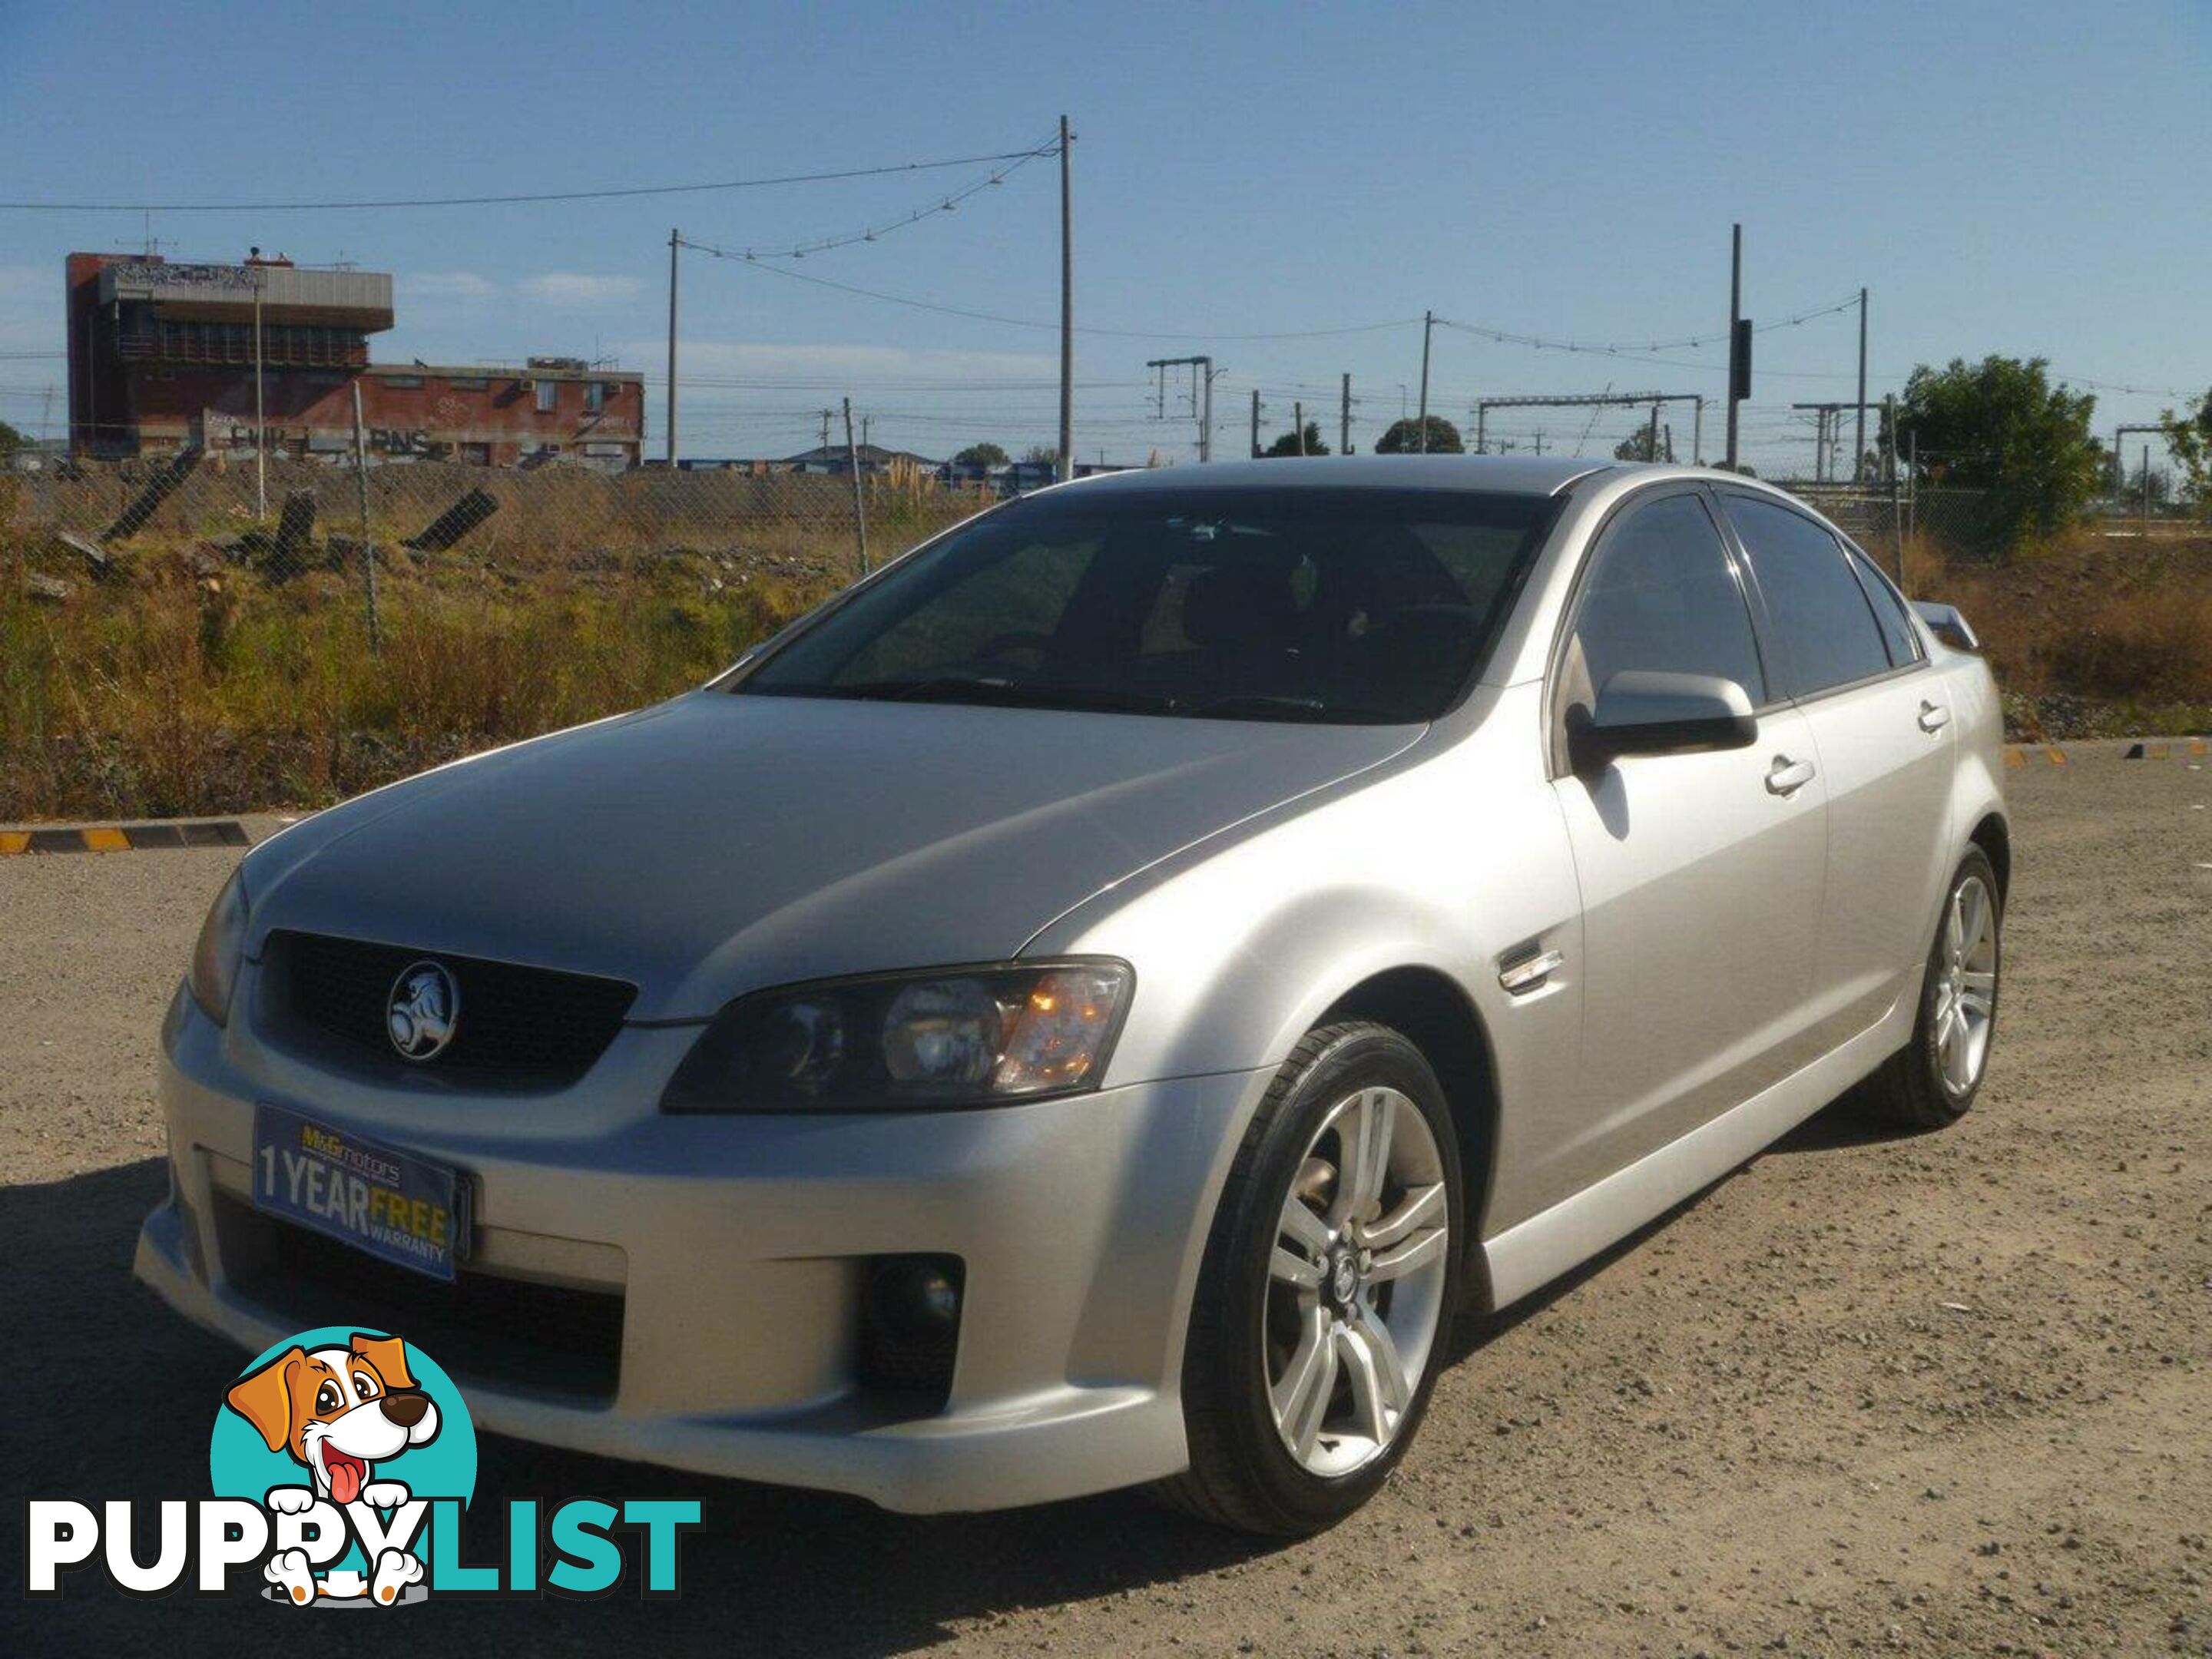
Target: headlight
[(955, 1037), (221, 944)]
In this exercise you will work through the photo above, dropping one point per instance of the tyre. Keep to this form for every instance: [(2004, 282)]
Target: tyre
[(1327, 1290), (1932, 1080)]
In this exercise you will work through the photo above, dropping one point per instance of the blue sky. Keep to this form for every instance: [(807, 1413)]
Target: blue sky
[(2026, 178)]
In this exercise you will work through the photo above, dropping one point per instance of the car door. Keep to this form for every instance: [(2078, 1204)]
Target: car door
[(1881, 722), (1700, 873)]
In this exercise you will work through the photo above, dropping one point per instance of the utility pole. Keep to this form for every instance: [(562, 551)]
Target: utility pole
[(1896, 518), (1066, 469), (826, 416), (1298, 425), (1428, 327), (1256, 423), (1201, 398), (260, 420), (1697, 436), (1651, 436), (675, 242), (1858, 443), (1481, 426), (1344, 417), (860, 499), (1735, 333)]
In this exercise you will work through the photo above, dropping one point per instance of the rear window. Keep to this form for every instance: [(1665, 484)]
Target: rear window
[(1819, 611), (1904, 645)]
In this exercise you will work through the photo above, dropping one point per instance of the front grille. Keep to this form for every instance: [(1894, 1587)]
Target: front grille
[(529, 1025), (516, 1334)]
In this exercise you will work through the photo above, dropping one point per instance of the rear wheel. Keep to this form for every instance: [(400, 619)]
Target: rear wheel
[(1933, 1079), (1328, 1288)]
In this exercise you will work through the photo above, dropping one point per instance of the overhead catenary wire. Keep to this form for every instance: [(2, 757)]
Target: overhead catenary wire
[(1619, 347), (741, 257), (525, 198), (946, 204)]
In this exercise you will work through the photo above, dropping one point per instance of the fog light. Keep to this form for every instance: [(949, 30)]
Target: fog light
[(910, 1324)]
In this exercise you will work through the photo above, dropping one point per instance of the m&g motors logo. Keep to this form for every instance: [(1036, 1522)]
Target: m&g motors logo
[(343, 1463)]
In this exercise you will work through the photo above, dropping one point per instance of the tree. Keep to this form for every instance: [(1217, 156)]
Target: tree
[(10, 440), (1042, 455), (1404, 438), (982, 454), (2190, 436), (1288, 443), (2001, 427), (1637, 446)]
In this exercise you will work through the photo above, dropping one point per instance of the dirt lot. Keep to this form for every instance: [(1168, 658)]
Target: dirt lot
[(1942, 1395)]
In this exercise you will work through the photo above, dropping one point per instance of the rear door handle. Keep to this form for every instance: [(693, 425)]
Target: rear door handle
[(1933, 717), (1787, 776)]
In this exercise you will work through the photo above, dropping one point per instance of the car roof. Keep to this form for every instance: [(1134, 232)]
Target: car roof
[(1515, 475)]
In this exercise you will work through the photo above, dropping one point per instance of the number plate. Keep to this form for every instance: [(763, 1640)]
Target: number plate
[(388, 1204)]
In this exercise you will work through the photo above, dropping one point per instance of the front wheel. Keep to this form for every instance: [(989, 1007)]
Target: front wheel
[(1328, 1288), (1931, 1081)]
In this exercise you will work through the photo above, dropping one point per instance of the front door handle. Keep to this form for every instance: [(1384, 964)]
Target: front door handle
[(1933, 717), (1787, 776)]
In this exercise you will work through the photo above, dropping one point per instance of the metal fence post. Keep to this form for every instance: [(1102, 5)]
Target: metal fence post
[(860, 500), (367, 547)]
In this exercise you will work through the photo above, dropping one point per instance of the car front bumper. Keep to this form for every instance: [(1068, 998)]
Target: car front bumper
[(734, 1250)]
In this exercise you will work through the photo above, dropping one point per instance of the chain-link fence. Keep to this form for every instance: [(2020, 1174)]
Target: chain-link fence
[(387, 533), (204, 635)]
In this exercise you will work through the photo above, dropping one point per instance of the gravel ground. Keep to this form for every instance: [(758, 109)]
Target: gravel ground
[(1939, 1394)]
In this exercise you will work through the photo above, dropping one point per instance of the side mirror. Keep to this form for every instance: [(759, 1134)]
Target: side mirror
[(1644, 712)]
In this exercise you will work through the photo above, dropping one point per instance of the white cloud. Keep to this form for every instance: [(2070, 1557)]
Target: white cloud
[(856, 366), (576, 288), (466, 285)]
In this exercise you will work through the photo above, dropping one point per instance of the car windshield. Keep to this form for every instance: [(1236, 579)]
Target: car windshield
[(1351, 605)]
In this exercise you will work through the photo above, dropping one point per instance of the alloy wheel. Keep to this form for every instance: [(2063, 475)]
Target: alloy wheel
[(1356, 1282), (1966, 986)]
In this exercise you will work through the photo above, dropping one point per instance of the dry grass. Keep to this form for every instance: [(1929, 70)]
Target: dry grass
[(200, 677), (2091, 632), (177, 694), (190, 685)]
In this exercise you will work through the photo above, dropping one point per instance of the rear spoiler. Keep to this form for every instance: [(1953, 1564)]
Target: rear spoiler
[(1946, 624)]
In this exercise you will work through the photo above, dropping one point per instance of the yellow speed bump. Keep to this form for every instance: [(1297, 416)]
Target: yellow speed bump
[(105, 841)]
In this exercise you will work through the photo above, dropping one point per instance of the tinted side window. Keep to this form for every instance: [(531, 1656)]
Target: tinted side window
[(1888, 611), (1828, 629), (1661, 596)]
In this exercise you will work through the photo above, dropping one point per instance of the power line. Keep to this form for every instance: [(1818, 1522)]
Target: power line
[(1621, 348), (1015, 156), (1030, 322), (930, 210)]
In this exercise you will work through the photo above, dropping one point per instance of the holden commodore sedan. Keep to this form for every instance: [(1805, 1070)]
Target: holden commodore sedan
[(1090, 1004)]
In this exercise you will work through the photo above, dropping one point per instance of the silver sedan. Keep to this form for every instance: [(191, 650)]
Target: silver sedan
[(1088, 1005)]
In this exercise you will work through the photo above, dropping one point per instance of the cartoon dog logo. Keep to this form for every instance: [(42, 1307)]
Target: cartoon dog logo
[(339, 1412)]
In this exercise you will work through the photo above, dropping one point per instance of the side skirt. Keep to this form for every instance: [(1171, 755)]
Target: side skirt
[(1525, 1258)]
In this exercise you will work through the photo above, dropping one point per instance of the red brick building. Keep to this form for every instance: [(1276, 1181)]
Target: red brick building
[(162, 356)]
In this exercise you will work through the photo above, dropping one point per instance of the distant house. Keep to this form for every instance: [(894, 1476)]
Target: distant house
[(837, 460)]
